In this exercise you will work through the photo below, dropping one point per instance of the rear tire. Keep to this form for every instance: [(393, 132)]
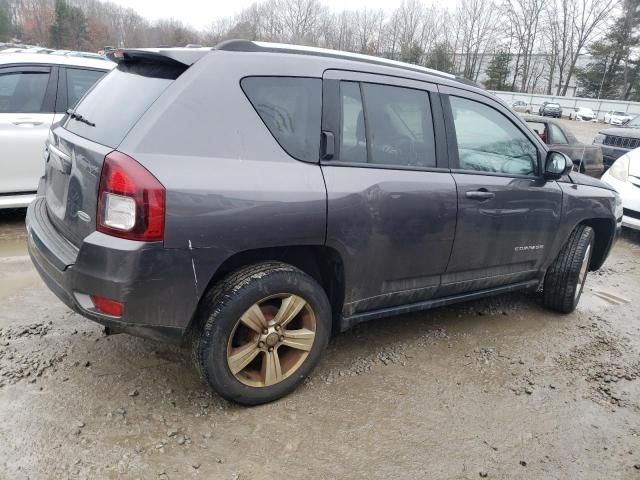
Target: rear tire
[(262, 330), (565, 278)]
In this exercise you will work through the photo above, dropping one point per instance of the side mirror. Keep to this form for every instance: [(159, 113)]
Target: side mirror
[(556, 165)]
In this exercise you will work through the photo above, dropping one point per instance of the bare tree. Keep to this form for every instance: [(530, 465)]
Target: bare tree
[(524, 16), (587, 19)]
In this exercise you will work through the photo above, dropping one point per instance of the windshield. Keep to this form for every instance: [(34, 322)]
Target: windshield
[(634, 122), (553, 105), (619, 113)]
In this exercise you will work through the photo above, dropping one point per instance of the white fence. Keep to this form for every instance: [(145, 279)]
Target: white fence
[(600, 107)]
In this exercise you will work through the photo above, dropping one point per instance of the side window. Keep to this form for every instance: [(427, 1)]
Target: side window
[(394, 128), (490, 142), (291, 109), (557, 135), (353, 143), (23, 92), (78, 82), (540, 128)]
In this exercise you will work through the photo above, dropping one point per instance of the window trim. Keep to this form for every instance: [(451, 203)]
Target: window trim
[(332, 108), (446, 92), (49, 100), (315, 161)]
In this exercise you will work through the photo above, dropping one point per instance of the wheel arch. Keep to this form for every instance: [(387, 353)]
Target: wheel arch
[(604, 230), (321, 262)]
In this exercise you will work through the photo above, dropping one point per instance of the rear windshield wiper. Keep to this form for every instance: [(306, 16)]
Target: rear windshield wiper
[(79, 118)]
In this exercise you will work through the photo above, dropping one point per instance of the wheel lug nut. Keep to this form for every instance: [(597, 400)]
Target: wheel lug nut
[(277, 327), (261, 344), (271, 349), (282, 338), (265, 331)]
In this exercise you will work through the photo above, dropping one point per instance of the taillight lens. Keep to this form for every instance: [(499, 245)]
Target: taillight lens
[(131, 201)]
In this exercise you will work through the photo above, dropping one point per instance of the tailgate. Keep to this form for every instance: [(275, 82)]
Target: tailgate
[(76, 148)]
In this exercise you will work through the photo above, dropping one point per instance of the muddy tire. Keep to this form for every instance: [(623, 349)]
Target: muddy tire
[(565, 278), (262, 330)]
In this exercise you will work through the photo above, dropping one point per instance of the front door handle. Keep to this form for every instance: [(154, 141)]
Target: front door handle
[(481, 194)]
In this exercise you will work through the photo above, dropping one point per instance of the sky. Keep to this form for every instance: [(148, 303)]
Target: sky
[(201, 13)]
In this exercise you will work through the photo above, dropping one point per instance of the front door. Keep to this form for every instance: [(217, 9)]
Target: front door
[(391, 199), (507, 212), (27, 98)]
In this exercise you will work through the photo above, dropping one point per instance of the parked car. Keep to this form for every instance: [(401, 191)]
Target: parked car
[(35, 91), (72, 53), (616, 117), (328, 189), (521, 106), (624, 176), (550, 109), (586, 158), (583, 114), (617, 141)]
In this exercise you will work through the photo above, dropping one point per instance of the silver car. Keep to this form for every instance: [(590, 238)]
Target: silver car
[(35, 91), (521, 106)]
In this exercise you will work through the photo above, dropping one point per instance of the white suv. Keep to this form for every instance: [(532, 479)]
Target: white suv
[(35, 91)]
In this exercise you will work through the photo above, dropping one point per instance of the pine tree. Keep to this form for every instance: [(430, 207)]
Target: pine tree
[(613, 73), (5, 21), (498, 71), (439, 58), (69, 30)]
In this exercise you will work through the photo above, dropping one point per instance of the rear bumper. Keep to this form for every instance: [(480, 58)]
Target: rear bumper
[(156, 285)]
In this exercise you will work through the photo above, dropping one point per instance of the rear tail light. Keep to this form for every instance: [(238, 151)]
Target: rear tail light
[(131, 201), (107, 306)]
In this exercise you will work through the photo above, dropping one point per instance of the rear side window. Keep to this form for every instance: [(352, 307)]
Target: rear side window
[(290, 107), (394, 128), (557, 135), (78, 82), (116, 103), (23, 92), (353, 144)]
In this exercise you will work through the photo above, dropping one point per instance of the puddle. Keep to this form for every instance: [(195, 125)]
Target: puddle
[(13, 235), (13, 248)]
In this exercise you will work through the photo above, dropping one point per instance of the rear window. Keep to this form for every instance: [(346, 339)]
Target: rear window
[(115, 104), (553, 105), (290, 107)]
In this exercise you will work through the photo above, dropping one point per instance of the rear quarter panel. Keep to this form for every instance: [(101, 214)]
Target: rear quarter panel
[(230, 186)]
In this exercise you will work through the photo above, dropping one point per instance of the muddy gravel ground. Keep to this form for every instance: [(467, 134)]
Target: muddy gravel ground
[(499, 388)]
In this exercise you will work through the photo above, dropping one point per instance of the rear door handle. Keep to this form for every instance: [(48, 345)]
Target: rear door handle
[(481, 194)]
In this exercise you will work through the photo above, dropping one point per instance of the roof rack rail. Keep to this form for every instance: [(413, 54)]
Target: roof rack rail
[(251, 46)]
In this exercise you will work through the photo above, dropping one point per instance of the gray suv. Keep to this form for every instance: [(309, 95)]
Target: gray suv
[(253, 198)]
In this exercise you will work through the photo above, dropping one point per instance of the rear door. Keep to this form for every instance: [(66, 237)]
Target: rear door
[(508, 213), (27, 101), (391, 199)]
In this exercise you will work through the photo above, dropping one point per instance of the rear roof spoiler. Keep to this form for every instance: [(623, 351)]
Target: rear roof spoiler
[(184, 56)]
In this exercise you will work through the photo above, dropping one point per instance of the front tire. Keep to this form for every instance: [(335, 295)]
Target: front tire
[(565, 278), (262, 330)]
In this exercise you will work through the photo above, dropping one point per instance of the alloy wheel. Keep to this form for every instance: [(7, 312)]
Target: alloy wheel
[(271, 340)]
